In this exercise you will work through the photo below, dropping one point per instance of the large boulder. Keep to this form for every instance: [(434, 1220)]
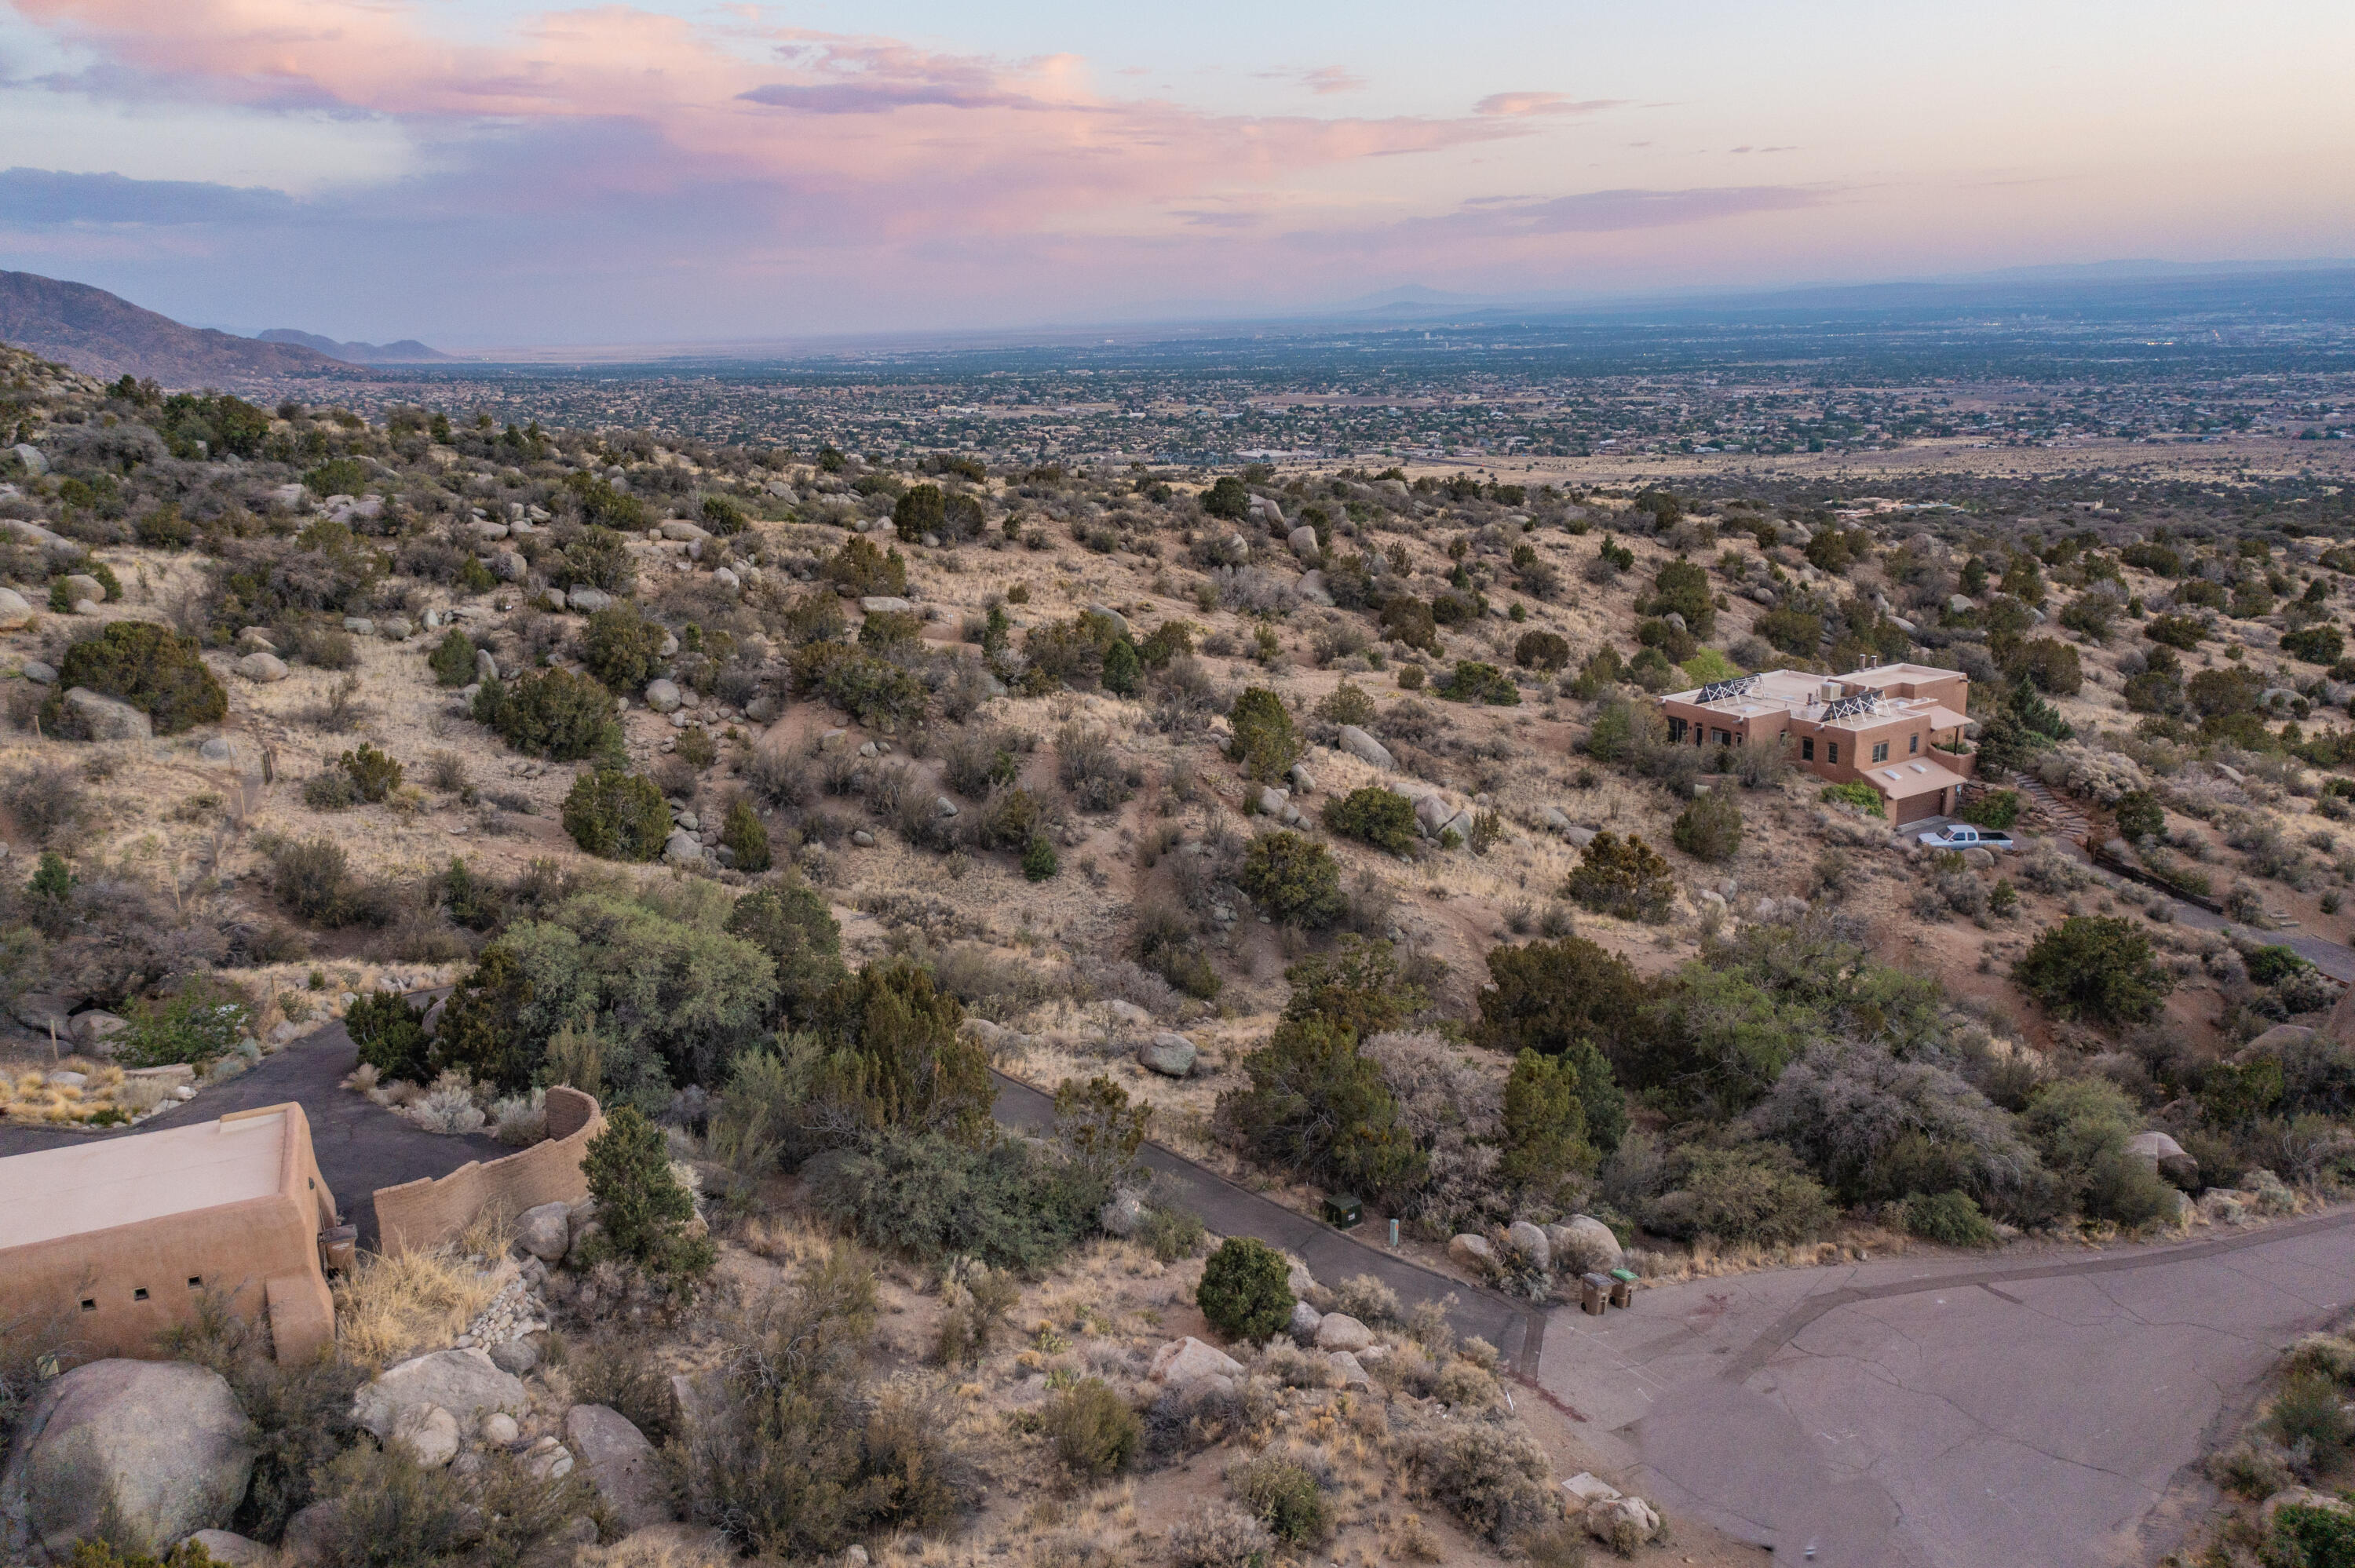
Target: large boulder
[(262, 668), (1303, 541), (587, 601), (463, 1383), (1472, 1252), (682, 847), (1622, 1523), (429, 1434), (1306, 1320), (621, 1462), (663, 697), (1365, 747), (83, 588), (884, 603), (1340, 1331), (1121, 1214), (107, 718), (237, 1551), (16, 611), (2167, 1156), (1431, 814), (546, 1232), (1533, 1243), (1584, 1245), (1181, 1361), (1169, 1053), (162, 1446)]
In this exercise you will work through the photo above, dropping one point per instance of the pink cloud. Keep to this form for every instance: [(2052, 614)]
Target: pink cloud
[(1518, 105)]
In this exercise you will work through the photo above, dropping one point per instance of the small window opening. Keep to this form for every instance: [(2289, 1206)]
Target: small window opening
[(90, 1303), (140, 1294)]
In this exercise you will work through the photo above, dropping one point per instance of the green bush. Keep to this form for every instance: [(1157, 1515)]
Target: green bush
[(1710, 827), (1039, 862), (617, 816), (202, 1021), (918, 512), (1245, 1291), (374, 775), (1227, 498), (313, 879), (1292, 878), (551, 713), (621, 648), (721, 517), (453, 660), (2305, 1536), (1752, 1193), (1563, 998), (1473, 682), (1285, 1497), (391, 1035), (2080, 1127), (1545, 1121), (146, 665), (643, 1212), (742, 835), (1994, 809), (1094, 1431), (2311, 1409), (2139, 816), (1383, 818), (891, 1057), (1123, 668), (1262, 738), (1950, 1219), (930, 1198), (1859, 794), (330, 791), (2097, 967), (2314, 644), (867, 571), (1315, 1106), (1544, 651), (870, 689), (791, 923), (1624, 877), (1171, 1233)]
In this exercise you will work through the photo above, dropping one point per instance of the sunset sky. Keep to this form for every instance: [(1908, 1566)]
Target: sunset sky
[(491, 172)]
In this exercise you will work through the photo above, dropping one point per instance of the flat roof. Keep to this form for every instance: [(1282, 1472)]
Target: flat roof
[(1799, 693), (109, 1181), (1903, 780)]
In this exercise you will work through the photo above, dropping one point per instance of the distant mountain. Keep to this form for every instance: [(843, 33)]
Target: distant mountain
[(105, 335), (407, 351)]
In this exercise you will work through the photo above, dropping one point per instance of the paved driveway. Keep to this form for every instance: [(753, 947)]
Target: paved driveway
[(360, 1146), (1952, 1414)]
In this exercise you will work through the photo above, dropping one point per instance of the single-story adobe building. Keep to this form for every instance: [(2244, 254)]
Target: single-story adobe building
[(108, 1243), (1884, 727)]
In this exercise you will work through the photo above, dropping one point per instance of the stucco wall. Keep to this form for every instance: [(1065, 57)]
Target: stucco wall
[(430, 1211), (261, 1255)]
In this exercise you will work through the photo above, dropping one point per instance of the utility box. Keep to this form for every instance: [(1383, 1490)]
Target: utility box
[(1343, 1212)]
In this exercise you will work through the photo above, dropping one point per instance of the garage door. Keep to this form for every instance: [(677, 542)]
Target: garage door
[(1921, 807)]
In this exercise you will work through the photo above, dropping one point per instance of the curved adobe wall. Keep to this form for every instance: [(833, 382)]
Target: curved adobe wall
[(430, 1211)]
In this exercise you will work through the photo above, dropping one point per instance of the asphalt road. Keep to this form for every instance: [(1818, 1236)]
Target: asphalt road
[(1952, 1413), (360, 1146)]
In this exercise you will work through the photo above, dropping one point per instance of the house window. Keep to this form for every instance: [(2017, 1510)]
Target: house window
[(90, 1303), (1722, 739), (140, 1294), (1913, 744), (1807, 749), (195, 1282), (1833, 746), (1881, 751), (1676, 732)]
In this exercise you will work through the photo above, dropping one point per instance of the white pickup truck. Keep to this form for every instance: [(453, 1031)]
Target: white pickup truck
[(1961, 835)]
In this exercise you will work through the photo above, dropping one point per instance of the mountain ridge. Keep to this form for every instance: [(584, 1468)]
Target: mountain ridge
[(104, 335)]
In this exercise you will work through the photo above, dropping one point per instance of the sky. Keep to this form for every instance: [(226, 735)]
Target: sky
[(488, 172)]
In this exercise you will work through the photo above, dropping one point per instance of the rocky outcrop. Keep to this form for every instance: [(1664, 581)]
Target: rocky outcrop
[(162, 1445), (1169, 1054), (1340, 1331), (620, 1461), (463, 1383), (1584, 1245), (264, 669), (546, 1231), (1186, 1360), (106, 719), (1365, 747)]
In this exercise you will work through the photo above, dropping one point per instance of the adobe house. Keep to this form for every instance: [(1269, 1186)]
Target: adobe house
[(1882, 727), (115, 1240)]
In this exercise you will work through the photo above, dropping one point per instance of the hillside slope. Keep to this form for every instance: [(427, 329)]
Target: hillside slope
[(106, 335)]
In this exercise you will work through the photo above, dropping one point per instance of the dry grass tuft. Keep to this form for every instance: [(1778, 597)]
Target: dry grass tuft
[(388, 1309)]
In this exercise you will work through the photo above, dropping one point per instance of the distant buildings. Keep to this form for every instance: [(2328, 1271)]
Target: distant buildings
[(1882, 727)]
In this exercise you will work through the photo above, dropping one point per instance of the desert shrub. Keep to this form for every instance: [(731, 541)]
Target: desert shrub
[(2139, 816), (1245, 1291), (743, 834), (1171, 1234), (1492, 1478), (1293, 878), (1546, 651), (1473, 682), (1316, 1105), (1098, 1130), (330, 791), (1624, 877), (148, 666), (453, 660), (1754, 1194), (1286, 1497), (1410, 677), (1039, 861), (1094, 1431), (1221, 1536), (1875, 1128), (621, 648), (791, 923), (1710, 827), (1950, 1219), (2319, 644), (1347, 704), (889, 1057), (2080, 1125), (390, 1034), (1407, 620), (551, 712), (313, 880), (643, 1212), (931, 1198), (46, 800), (1994, 809), (1380, 817), (617, 816), (374, 775), (201, 1022), (1087, 765), (1858, 794), (868, 688), (2305, 1535), (2097, 967), (1262, 739), (2311, 1409)]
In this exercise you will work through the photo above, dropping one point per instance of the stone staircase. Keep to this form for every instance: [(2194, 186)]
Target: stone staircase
[(2046, 811)]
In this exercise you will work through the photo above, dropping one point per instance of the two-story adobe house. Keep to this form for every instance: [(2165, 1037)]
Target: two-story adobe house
[(1881, 726)]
